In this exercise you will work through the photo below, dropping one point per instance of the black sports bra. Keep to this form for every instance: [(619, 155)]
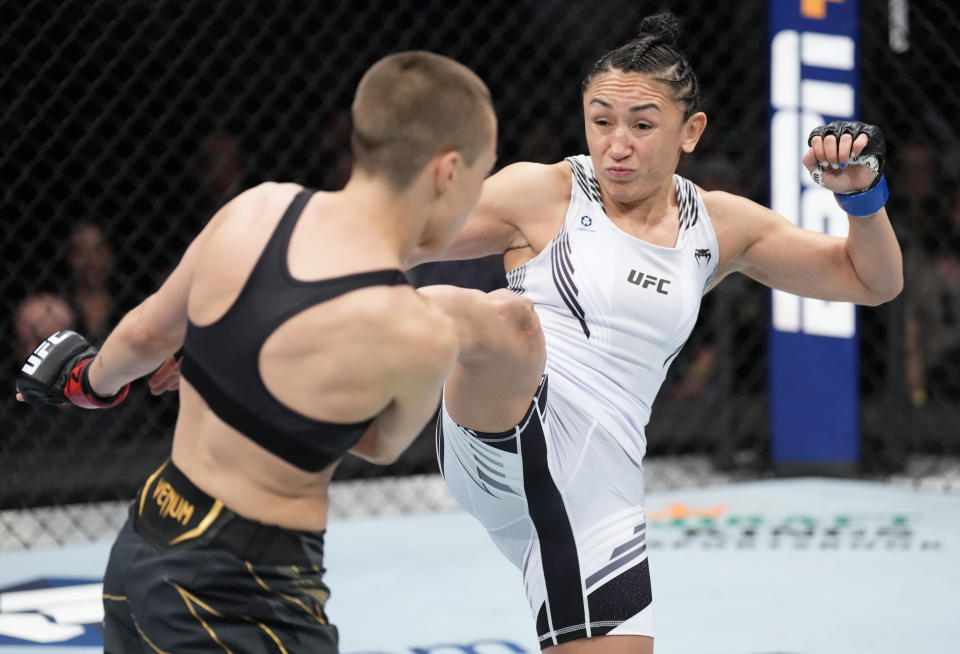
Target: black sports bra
[(222, 360)]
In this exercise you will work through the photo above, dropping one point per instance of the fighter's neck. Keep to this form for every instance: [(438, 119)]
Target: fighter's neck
[(646, 209), (396, 220)]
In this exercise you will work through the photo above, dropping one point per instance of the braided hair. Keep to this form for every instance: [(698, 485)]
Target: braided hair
[(654, 51)]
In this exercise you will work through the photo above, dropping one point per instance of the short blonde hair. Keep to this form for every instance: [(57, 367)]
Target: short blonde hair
[(411, 106)]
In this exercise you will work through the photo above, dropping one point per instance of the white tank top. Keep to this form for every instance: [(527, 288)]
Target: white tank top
[(615, 309)]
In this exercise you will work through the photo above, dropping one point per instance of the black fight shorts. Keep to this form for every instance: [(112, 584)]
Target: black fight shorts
[(186, 574)]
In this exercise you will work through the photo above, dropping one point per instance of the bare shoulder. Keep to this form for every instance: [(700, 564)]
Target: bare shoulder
[(545, 180), (261, 203), (264, 200), (229, 245), (735, 214), (722, 205), (527, 188), (416, 332), (271, 189), (738, 222), (530, 197), (542, 176)]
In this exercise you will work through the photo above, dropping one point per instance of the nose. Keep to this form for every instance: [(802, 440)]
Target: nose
[(619, 144)]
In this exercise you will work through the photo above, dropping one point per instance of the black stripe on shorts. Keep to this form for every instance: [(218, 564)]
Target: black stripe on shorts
[(558, 549)]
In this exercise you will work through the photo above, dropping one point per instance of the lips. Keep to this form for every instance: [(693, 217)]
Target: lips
[(619, 173)]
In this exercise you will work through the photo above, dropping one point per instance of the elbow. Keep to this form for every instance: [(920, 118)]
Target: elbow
[(147, 337), (377, 457), (895, 287), (140, 337), (378, 454), (387, 458), (882, 285), (896, 290), (374, 449), (143, 337), (882, 296)]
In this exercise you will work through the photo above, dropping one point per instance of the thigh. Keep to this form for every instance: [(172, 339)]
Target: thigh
[(119, 629), (209, 600), (579, 538), (119, 632), (586, 573), (484, 472)]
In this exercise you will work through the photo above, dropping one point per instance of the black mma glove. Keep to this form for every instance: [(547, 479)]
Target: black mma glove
[(870, 200), (873, 155), (56, 373)]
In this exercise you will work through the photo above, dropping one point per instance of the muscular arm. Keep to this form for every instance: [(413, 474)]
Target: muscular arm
[(865, 268), (151, 332), (423, 360)]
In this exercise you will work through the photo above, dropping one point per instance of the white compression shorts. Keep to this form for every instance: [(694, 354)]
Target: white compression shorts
[(564, 502)]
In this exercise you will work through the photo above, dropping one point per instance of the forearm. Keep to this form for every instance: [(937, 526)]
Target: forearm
[(462, 250), (397, 426), (415, 382), (421, 255), (132, 350), (874, 252)]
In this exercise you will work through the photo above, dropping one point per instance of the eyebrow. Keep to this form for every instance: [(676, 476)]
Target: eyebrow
[(639, 107)]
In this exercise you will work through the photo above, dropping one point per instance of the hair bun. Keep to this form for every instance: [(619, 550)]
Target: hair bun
[(662, 27)]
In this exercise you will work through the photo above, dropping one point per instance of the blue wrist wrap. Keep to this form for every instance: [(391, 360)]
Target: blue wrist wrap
[(866, 203)]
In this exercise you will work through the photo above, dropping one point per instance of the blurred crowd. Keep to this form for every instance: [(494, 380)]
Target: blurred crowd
[(925, 205)]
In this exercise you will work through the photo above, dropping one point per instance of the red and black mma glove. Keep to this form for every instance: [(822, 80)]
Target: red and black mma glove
[(57, 373), (870, 200)]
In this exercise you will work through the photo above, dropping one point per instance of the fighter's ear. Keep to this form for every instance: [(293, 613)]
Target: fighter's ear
[(692, 131), (445, 170)]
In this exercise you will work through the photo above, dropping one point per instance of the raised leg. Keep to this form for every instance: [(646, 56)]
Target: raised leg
[(502, 356)]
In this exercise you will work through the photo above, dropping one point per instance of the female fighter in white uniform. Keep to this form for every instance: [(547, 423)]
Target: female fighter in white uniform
[(608, 258)]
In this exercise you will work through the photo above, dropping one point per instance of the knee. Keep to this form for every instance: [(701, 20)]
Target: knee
[(516, 311)]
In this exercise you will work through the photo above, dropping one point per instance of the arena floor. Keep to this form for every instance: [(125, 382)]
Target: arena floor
[(806, 566)]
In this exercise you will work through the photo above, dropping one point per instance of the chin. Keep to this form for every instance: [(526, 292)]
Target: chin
[(619, 188)]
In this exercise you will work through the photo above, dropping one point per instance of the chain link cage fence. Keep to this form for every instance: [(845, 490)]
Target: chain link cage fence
[(127, 123)]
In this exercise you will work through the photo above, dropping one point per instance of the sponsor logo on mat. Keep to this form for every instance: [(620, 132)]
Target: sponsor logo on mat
[(716, 527)]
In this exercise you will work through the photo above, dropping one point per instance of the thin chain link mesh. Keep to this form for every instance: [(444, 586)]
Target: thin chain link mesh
[(910, 354), (127, 123)]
